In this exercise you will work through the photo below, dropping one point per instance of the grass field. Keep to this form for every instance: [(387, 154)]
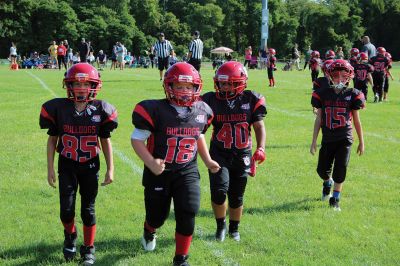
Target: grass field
[(284, 221)]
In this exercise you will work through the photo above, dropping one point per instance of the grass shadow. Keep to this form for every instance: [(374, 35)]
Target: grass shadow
[(114, 250)]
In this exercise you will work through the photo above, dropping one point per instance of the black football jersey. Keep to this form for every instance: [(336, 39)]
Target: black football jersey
[(233, 119), (380, 63), (173, 136), (78, 132), (336, 120), (361, 72)]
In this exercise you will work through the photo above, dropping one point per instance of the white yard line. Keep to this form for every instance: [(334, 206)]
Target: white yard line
[(212, 245), (44, 86)]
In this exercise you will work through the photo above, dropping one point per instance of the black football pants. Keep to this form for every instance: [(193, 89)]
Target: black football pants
[(336, 154), (72, 175), (183, 186)]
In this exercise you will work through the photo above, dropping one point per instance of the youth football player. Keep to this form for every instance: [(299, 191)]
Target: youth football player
[(76, 126), (174, 130), (337, 106), (236, 112)]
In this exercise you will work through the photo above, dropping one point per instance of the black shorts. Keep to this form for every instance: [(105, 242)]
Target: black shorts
[(386, 85), (270, 71), (337, 154), (163, 63), (183, 186), (196, 63)]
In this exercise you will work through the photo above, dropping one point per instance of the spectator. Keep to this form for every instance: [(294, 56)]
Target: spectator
[(83, 50), (151, 57), (296, 57), (76, 58), (195, 51), (163, 49), (307, 57), (70, 56), (13, 54), (228, 57), (67, 49), (61, 52), (128, 59), (114, 56), (101, 60), (121, 52), (91, 59), (53, 48), (247, 56), (263, 54), (339, 53), (368, 47)]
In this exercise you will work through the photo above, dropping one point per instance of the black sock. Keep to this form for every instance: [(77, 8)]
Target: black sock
[(220, 222), (233, 226)]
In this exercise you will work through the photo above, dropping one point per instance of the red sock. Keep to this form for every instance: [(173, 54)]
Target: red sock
[(270, 82), (182, 244), (149, 228), (70, 227), (89, 233)]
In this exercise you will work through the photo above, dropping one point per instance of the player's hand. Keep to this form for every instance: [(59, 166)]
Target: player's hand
[(157, 166), (51, 178), (360, 149), (108, 178), (213, 166), (313, 148), (259, 156)]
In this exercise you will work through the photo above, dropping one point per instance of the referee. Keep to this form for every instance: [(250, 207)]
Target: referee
[(163, 49), (195, 51)]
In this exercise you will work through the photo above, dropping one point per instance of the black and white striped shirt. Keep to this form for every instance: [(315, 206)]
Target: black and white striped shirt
[(163, 49), (196, 49)]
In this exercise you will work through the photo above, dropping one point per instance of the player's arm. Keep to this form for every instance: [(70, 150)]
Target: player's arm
[(317, 126), (359, 130), (106, 146), (212, 165), (51, 149)]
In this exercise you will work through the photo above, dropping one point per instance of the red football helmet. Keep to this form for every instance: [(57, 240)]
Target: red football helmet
[(354, 52), (233, 73), (272, 51), (381, 51), (82, 72), (330, 54), (182, 72), (363, 57), (339, 73), (315, 54)]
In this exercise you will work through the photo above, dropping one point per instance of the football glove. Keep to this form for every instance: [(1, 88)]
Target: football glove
[(259, 155)]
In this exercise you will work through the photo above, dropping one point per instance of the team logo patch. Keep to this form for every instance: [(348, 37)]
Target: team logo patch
[(246, 160), (200, 119), (82, 77), (185, 78), (96, 118), (223, 77), (245, 106)]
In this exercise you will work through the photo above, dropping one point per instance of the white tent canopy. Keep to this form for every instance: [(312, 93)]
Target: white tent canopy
[(221, 50)]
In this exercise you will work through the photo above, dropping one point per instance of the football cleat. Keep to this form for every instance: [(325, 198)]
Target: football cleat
[(69, 249), (334, 203), (326, 192), (235, 235), (87, 255), (220, 233), (376, 97), (181, 260), (148, 240)]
